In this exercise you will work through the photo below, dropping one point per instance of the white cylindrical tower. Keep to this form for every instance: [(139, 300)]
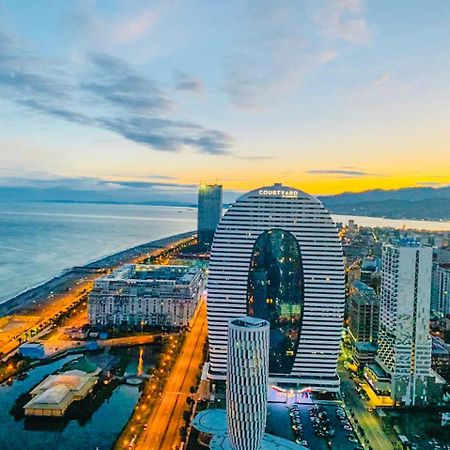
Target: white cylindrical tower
[(247, 379)]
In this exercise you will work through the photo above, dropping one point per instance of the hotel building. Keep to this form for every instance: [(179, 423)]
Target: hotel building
[(143, 294), (276, 255)]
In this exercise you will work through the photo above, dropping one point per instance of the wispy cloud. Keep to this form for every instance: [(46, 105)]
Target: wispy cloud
[(253, 158), (186, 82), (110, 95), (341, 173), (382, 78), (45, 186), (432, 184), (42, 180), (344, 20), (134, 26), (274, 56)]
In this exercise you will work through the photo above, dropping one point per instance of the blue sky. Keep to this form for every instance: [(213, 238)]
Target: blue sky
[(147, 99)]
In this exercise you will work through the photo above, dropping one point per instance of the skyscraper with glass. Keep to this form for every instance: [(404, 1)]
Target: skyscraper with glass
[(210, 200), (276, 255)]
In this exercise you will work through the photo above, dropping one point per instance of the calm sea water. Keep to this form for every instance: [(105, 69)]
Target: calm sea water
[(100, 430), (39, 240)]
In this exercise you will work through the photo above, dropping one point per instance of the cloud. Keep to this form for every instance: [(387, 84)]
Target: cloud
[(340, 173), (432, 184), (382, 78), (274, 56), (39, 186), (134, 27), (185, 82), (109, 94), (122, 27), (344, 20), (40, 180), (253, 158), (160, 177)]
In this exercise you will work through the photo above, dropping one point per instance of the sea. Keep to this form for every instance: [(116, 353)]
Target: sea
[(39, 240)]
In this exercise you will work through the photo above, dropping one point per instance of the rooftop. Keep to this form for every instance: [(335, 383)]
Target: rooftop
[(366, 347), (150, 272), (269, 442), (378, 370), (52, 396), (211, 421), (362, 287), (214, 421), (249, 322)]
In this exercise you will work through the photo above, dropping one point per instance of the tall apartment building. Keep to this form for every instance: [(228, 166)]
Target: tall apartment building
[(364, 313), (146, 295), (209, 213), (276, 255), (247, 381), (440, 289), (404, 344)]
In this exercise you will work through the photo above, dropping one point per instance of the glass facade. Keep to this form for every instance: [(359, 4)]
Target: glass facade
[(275, 293)]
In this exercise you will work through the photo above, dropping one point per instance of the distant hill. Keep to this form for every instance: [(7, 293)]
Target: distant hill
[(409, 203)]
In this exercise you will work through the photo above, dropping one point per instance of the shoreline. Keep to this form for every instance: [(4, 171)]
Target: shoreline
[(62, 282)]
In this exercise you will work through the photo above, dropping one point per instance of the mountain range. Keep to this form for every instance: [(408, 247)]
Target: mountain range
[(408, 203)]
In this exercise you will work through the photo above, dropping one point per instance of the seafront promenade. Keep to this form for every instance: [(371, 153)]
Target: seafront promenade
[(30, 314)]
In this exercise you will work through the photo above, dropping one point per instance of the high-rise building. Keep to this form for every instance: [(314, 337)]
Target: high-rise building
[(404, 344), (364, 313), (210, 201), (440, 288), (276, 255), (247, 381)]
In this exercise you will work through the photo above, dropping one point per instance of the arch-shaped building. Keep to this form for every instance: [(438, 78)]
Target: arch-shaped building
[(276, 255)]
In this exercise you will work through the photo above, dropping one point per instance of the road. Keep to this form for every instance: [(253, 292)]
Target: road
[(167, 416), (368, 420), (40, 315)]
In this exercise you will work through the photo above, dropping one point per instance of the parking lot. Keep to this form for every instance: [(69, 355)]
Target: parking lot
[(316, 426)]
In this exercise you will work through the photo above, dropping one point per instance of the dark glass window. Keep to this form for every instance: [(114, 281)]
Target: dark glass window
[(275, 293)]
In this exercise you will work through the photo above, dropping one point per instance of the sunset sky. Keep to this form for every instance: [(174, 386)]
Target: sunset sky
[(324, 95)]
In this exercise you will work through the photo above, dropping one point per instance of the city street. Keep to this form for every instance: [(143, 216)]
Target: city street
[(368, 420), (167, 416), (37, 316)]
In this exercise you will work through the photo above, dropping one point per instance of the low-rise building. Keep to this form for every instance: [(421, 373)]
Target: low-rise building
[(152, 295), (57, 392), (32, 350)]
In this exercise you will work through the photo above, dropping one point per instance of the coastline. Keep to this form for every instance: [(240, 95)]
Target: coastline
[(62, 282)]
